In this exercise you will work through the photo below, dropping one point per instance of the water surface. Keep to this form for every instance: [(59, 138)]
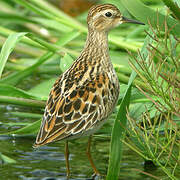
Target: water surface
[(48, 163)]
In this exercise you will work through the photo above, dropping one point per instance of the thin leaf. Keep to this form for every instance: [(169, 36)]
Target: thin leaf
[(117, 137), (25, 115), (66, 62), (7, 160), (8, 90), (177, 2), (68, 37), (6, 32), (48, 7), (27, 130), (50, 15), (11, 17), (52, 24), (42, 89), (22, 101), (173, 7), (119, 127), (16, 77), (8, 48)]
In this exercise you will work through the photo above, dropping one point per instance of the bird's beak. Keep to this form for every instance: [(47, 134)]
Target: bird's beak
[(126, 20)]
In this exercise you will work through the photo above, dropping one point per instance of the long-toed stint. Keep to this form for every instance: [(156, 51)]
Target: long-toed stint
[(84, 96)]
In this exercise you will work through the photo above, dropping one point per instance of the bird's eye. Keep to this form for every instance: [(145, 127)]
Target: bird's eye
[(108, 14)]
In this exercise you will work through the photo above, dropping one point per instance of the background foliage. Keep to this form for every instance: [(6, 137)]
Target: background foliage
[(39, 42)]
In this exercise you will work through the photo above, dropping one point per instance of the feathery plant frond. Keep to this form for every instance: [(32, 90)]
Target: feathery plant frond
[(156, 136), (162, 72), (156, 139)]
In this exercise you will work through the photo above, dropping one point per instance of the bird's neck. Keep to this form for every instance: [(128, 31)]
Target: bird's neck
[(96, 39), (96, 48)]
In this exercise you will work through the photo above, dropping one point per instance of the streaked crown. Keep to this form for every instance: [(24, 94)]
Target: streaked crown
[(103, 17), (106, 16)]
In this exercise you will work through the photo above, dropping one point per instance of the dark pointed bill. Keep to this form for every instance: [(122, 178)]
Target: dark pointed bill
[(126, 20)]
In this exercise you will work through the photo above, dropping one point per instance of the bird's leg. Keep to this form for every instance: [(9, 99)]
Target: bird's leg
[(67, 159), (88, 152)]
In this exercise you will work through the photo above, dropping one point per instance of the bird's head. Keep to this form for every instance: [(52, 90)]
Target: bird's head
[(105, 17)]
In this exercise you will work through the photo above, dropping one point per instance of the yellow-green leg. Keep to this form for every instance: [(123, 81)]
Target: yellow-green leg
[(67, 159), (88, 152)]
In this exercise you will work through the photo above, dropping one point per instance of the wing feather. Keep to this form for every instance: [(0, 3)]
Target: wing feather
[(70, 112)]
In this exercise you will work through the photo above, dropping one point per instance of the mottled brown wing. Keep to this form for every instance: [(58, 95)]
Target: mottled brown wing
[(72, 111)]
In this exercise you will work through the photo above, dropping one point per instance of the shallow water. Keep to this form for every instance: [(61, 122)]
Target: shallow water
[(48, 163)]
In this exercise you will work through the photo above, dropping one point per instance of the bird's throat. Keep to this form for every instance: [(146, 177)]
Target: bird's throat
[(96, 48), (96, 39)]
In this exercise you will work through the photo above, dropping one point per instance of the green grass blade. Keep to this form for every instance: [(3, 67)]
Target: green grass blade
[(14, 18), (173, 7), (23, 49), (41, 8), (22, 101), (7, 160), (49, 23), (177, 2), (42, 90), (24, 115), (46, 6), (68, 37), (65, 62), (48, 46), (7, 32), (27, 130), (119, 128), (120, 42), (117, 137), (8, 48), (49, 15), (14, 78), (7, 90)]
